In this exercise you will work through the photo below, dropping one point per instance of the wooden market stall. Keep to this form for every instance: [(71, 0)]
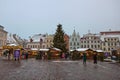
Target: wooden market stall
[(55, 53), (11, 49), (89, 52), (100, 54)]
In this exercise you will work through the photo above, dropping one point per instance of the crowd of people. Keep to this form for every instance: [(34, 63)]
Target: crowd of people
[(16, 56)]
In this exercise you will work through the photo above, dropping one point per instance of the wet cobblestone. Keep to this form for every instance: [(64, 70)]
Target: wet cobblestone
[(32, 69)]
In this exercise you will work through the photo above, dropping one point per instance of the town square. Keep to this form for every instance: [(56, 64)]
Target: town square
[(59, 40)]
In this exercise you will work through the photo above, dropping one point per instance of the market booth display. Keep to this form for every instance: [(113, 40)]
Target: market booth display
[(33, 51), (12, 50), (54, 53), (78, 53), (100, 54)]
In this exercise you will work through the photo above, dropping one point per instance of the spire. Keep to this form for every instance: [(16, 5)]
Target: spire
[(74, 33)]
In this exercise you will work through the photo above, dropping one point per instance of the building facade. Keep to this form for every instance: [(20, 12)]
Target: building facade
[(110, 40), (49, 41), (74, 41), (40, 41), (3, 36), (15, 39), (91, 41)]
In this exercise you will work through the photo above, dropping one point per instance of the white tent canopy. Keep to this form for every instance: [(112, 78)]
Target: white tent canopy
[(12, 45), (82, 49), (43, 49), (99, 50), (56, 49)]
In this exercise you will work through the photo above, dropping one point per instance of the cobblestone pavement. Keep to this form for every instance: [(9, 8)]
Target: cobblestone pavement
[(32, 69)]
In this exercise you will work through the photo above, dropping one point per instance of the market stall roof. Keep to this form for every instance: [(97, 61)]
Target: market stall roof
[(43, 49), (99, 50), (12, 45), (56, 49), (34, 49), (82, 49)]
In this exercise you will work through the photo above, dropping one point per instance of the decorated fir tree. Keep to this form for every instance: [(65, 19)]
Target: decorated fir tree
[(58, 40)]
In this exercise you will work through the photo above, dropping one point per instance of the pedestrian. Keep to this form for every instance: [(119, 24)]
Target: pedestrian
[(95, 58), (84, 58), (63, 55), (17, 54), (26, 55)]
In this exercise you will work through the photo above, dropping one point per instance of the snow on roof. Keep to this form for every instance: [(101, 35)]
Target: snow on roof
[(99, 50), (71, 50), (56, 49), (12, 45), (82, 49), (44, 49), (34, 49)]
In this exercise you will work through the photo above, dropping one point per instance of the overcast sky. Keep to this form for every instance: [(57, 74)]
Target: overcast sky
[(29, 17)]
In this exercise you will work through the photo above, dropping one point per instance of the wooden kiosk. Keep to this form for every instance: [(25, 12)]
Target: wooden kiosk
[(11, 48)]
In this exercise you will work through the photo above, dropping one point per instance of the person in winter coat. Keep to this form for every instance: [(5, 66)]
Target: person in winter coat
[(95, 58), (17, 55), (84, 58)]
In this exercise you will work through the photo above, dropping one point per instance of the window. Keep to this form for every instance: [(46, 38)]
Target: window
[(98, 46), (87, 41), (71, 44), (72, 39), (95, 41), (91, 41), (98, 41), (84, 46), (78, 44), (104, 49), (91, 46), (84, 41), (115, 44), (95, 46), (87, 46), (111, 39), (74, 44), (108, 49), (81, 46), (111, 44), (43, 46), (75, 39)]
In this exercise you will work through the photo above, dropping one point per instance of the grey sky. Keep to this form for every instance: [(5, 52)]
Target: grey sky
[(28, 17)]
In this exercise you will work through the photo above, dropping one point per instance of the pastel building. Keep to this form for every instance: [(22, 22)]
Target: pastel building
[(74, 41), (110, 40)]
